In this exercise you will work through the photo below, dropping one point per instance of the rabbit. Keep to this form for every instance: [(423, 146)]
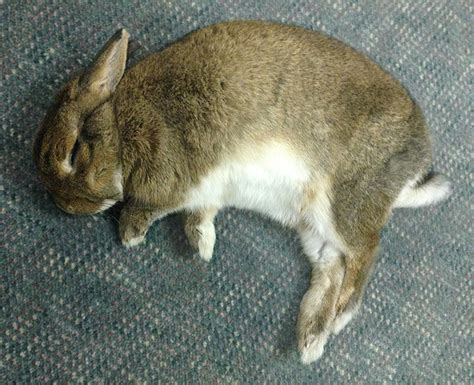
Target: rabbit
[(255, 115)]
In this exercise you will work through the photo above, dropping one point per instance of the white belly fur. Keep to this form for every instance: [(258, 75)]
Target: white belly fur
[(270, 179)]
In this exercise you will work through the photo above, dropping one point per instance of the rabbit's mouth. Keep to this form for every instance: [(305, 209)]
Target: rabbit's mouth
[(82, 206), (106, 204)]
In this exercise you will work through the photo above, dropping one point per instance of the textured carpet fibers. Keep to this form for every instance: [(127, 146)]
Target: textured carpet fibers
[(78, 307)]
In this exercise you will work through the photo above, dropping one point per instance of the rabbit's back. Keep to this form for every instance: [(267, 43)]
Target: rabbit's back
[(237, 84)]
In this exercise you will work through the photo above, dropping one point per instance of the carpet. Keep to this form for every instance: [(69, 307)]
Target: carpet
[(77, 307)]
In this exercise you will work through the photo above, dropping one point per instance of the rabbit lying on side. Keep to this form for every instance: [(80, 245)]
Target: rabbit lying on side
[(256, 115)]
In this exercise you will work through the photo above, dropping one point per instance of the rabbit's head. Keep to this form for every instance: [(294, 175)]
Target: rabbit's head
[(77, 149)]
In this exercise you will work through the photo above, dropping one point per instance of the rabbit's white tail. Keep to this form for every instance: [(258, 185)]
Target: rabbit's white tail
[(431, 190)]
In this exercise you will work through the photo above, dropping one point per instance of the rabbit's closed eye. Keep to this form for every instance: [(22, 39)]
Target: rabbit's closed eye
[(74, 152)]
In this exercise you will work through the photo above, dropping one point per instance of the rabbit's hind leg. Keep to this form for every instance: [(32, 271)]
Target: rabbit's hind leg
[(358, 269), (363, 207), (318, 306)]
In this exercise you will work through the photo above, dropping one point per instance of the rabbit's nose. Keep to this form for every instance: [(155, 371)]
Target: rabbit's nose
[(66, 207)]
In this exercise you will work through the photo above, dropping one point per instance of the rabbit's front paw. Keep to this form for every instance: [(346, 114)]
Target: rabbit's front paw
[(202, 236), (131, 235), (207, 240), (132, 228), (134, 223)]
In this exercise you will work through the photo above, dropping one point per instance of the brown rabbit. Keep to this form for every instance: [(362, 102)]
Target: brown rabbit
[(256, 115)]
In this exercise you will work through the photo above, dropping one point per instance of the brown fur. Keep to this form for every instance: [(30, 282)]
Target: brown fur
[(174, 116)]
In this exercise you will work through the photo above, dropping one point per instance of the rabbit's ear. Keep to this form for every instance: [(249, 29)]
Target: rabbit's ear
[(102, 77)]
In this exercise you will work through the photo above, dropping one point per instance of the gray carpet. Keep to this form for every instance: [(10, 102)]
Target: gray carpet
[(78, 307)]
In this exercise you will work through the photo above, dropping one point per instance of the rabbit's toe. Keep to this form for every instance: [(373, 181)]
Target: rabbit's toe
[(313, 327), (131, 235), (311, 347), (347, 306), (207, 239), (133, 241), (343, 318), (203, 238)]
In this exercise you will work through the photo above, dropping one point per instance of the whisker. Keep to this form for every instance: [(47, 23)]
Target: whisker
[(110, 215)]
